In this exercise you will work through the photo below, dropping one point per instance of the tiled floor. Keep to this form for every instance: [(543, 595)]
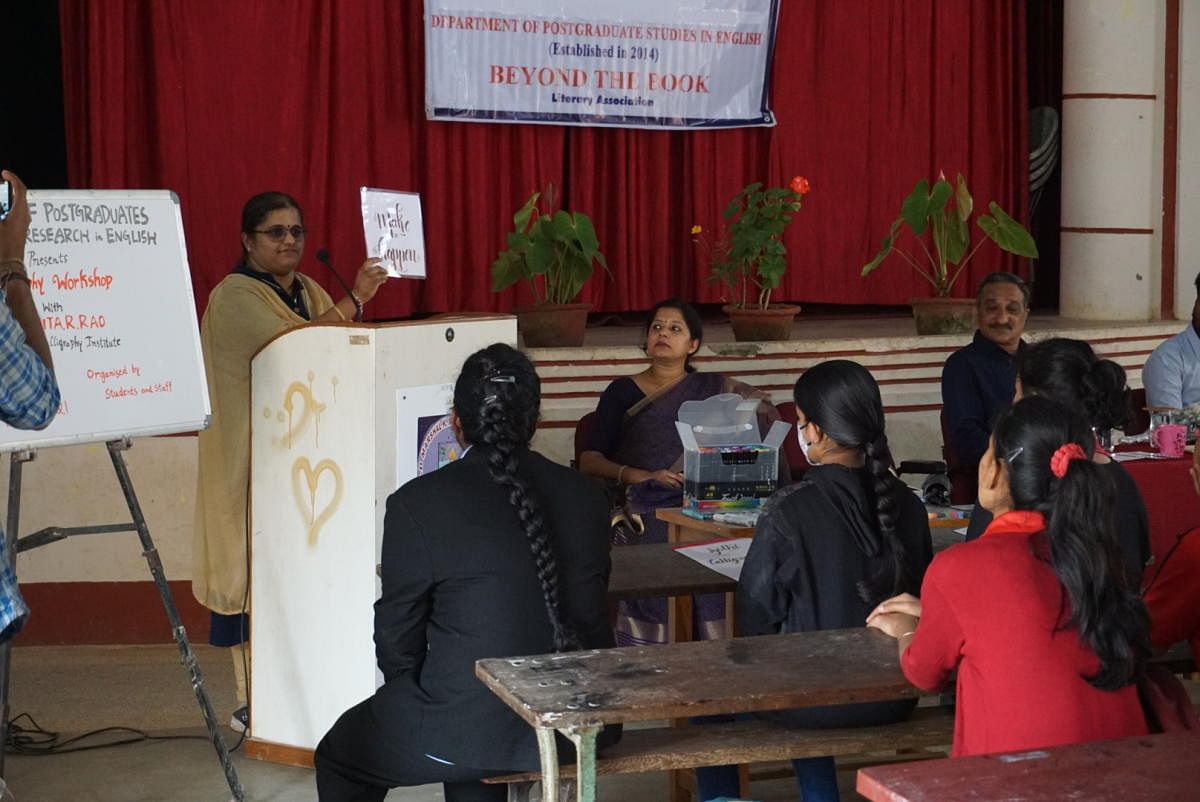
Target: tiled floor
[(78, 688)]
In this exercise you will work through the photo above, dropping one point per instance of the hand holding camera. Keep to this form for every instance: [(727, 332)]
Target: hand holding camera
[(14, 223)]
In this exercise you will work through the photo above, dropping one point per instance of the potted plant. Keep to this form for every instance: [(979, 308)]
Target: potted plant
[(750, 258), (944, 211), (553, 251)]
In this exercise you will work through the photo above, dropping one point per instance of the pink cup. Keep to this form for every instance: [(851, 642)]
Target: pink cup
[(1170, 439)]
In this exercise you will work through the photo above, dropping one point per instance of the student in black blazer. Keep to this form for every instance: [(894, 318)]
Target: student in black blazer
[(500, 553)]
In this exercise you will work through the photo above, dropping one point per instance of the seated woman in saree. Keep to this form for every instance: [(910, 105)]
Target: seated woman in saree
[(633, 443), (829, 548)]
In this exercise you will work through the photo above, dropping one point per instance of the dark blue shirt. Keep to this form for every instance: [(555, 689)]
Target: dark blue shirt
[(977, 383)]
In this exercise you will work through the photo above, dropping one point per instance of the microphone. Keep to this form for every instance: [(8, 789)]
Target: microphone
[(323, 258)]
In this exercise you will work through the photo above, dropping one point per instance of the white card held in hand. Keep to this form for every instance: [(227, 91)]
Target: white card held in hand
[(394, 231)]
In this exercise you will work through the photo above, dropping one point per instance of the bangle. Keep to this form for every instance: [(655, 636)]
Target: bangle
[(906, 634), (20, 275), (620, 471), (358, 305)]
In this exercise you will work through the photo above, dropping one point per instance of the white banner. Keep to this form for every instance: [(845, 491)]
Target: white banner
[(629, 63)]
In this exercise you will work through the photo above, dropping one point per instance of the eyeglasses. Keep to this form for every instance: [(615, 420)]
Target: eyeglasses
[(278, 233)]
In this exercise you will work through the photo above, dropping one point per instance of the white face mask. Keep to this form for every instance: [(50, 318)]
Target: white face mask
[(804, 445)]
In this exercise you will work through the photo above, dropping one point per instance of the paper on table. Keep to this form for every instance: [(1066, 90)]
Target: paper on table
[(1129, 456), (723, 556)]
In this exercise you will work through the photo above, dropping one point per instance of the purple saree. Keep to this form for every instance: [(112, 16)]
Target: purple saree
[(649, 441)]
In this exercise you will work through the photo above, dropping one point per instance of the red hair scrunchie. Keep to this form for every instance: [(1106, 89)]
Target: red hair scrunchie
[(1065, 453)]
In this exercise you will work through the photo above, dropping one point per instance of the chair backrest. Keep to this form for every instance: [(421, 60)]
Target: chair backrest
[(581, 432), (1139, 416), (796, 462), (964, 479)]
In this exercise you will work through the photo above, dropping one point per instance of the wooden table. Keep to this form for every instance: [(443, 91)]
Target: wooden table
[(1154, 768), (651, 570), (577, 693), (683, 529)]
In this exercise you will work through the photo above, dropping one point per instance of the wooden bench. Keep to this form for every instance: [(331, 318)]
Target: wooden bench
[(576, 693), (757, 741)]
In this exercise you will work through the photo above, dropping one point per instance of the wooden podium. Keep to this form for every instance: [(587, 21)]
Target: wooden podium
[(341, 415)]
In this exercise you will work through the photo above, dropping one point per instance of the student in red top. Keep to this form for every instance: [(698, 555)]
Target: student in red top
[(1035, 615), (1173, 594)]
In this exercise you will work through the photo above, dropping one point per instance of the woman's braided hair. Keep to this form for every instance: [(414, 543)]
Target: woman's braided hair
[(843, 399), (497, 397)]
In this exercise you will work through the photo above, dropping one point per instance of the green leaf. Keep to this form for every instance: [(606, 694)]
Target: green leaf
[(521, 218), (939, 195), (915, 209), (562, 226), (507, 270), (541, 255), (962, 199), (884, 249), (957, 237), (1007, 232), (585, 234)]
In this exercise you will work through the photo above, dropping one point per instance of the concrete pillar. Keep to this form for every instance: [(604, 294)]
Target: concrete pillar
[(1187, 251), (1112, 159)]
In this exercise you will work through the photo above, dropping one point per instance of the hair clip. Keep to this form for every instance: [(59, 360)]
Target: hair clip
[(506, 378), (1012, 455), (491, 399)]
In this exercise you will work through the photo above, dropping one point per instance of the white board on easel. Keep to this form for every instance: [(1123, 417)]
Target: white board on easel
[(110, 278)]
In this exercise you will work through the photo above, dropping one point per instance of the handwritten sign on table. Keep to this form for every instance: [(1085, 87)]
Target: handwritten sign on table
[(723, 556), (394, 231)]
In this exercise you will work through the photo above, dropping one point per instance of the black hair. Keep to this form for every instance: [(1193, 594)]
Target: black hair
[(690, 317), (1081, 533), (497, 397), (1002, 277), (261, 205), (843, 399), (1198, 286), (1069, 372)]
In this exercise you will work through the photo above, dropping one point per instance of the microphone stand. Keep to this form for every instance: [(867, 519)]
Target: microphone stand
[(323, 258)]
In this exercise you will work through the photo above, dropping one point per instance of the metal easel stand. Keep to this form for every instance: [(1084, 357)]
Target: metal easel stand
[(55, 533)]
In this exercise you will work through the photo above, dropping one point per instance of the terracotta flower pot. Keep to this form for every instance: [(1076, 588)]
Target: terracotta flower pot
[(752, 324), (944, 315), (552, 325)]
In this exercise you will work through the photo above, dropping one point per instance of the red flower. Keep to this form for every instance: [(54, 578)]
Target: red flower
[(800, 185)]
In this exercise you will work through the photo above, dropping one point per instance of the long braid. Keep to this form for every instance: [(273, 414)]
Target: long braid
[(892, 575), (842, 398), (504, 389)]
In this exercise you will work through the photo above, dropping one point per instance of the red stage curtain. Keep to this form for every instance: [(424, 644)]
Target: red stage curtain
[(317, 98)]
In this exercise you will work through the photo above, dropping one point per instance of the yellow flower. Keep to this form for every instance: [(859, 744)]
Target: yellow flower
[(697, 229)]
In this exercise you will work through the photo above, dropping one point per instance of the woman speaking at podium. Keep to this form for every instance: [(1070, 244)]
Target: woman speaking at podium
[(261, 297)]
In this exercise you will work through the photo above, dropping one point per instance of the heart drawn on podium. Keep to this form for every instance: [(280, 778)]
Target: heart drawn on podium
[(303, 469)]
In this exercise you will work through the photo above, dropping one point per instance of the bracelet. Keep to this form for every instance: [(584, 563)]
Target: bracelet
[(906, 634), (358, 305), (20, 275), (620, 471)]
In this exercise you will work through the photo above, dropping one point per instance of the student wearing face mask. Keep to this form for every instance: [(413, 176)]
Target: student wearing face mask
[(831, 547)]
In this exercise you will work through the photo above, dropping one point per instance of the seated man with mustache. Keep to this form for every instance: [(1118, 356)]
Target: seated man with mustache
[(977, 381)]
